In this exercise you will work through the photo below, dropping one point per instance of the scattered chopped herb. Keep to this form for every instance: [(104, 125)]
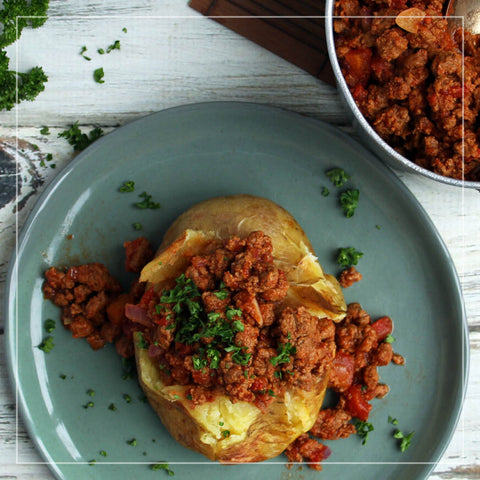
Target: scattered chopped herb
[(278, 374), (347, 257), (325, 192), (189, 396), (176, 396), (62, 376), (112, 407), (49, 325), (337, 176), (284, 351), (82, 53), (378, 227), (80, 140), (137, 226), (222, 294), (143, 398), (226, 433), (101, 51), (127, 398), (98, 75), (141, 341), (390, 338), (230, 313), (92, 462), (221, 424), (88, 405), (47, 344), (114, 46), (45, 131), (349, 201), (271, 393), (132, 442), (124, 29), (91, 392), (405, 440), (48, 157), (162, 466), (363, 429), (128, 186), (392, 420), (103, 453), (53, 165), (147, 202)]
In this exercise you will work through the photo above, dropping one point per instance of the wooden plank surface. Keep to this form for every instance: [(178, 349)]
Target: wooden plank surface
[(171, 55)]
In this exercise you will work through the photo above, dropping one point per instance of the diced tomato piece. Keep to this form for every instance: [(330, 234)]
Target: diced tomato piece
[(357, 64), (383, 327), (356, 404), (343, 368)]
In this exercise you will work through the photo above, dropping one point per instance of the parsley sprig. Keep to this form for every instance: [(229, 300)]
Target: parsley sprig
[(284, 351), (347, 257), (363, 429), (337, 176), (192, 323), (349, 201), (80, 140)]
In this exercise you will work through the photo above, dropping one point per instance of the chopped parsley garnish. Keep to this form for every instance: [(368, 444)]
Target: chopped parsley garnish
[(325, 192), (392, 420), (47, 344), (222, 294), (226, 433), (347, 257), (284, 351), (124, 29), (92, 462), (132, 442), (337, 176), (112, 407), (127, 398), (405, 439), (49, 325), (192, 324), (147, 202), (128, 186), (363, 429), (101, 51), (137, 226), (62, 376), (114, 46), (82, 53), (80, 140), (88, 405), (45, 131), (91, 392), (389, 338), (162, 466), (103, 453), (141, 341), (349, 201), (98, 75)]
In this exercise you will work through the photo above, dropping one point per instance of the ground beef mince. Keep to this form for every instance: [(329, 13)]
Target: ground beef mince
[(92, 301), (408, 81), (220, 327)]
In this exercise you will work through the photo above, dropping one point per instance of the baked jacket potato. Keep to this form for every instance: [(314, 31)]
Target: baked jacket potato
[(228, 428)]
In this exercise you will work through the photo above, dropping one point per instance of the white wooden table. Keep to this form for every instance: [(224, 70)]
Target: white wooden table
[(169, 56)]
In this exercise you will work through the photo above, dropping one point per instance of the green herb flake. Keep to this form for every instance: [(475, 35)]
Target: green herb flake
[(325, 192), (91, 392), (49, 325), (347, 257), (284, 351), (80, 140), (349, 202), (363, 429), (45, 131), (92, 462), (137, 226), (62, 376), (389, 338), (132, 442), (82, 53), (48, 157), (128, 186), (392, 420), (162, 466), (98, 75), (88, 405), (147, 202), (141, 342), (112, 407), (337, 176), (127, 398), (114, 46), (100, 51), (226, 433), (103, 453), (47, 344), (124, 29), (405, 439)]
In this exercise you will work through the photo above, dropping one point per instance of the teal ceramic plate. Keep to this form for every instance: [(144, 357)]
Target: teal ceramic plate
[(181, 156)]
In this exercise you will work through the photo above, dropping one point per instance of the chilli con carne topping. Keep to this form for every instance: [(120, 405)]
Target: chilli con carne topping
[(415, 80), (220, 329)]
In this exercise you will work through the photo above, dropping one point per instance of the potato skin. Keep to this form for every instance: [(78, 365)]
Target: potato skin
[(266, 434)]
